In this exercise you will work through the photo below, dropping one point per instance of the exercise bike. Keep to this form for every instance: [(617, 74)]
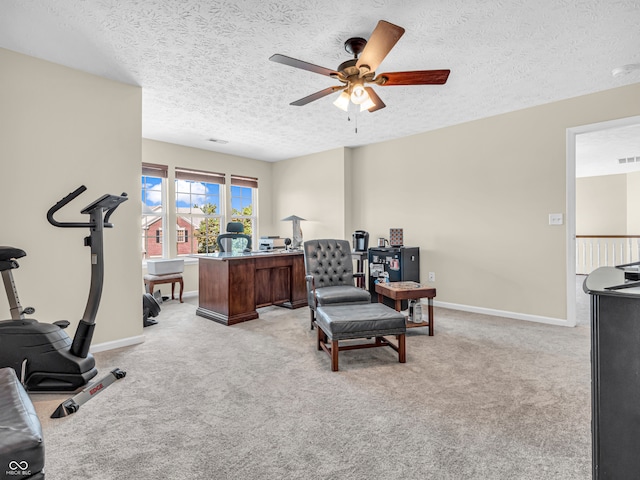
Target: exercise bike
[(42, 354)]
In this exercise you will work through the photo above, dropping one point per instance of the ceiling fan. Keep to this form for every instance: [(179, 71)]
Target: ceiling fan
[(356, 73)]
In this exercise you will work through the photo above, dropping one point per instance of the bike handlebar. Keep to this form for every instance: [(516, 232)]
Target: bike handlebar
[(77, 192), (106, 202)]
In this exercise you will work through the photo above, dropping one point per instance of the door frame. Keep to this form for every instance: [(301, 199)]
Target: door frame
[(572, 133)]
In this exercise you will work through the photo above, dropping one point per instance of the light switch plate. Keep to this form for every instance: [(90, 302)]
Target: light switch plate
[(556, 219)]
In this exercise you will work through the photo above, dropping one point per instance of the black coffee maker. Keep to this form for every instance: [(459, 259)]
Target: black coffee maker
[(360, 241)]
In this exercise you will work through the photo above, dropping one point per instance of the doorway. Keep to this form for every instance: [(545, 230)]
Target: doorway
[(593, 133)]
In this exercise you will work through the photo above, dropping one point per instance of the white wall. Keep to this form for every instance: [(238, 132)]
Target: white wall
[(60, 128), (601, 205), (476, 197), (608, 205), (312, 187)]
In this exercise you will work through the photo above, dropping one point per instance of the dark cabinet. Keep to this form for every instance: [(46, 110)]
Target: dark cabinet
[(615, 374), (401, 264)]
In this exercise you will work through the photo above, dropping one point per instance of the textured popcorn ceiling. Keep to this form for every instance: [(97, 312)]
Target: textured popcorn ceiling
[(204, 69), (598, 153)]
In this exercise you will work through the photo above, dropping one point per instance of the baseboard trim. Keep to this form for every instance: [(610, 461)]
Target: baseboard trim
[(123, 342), (505, 314)]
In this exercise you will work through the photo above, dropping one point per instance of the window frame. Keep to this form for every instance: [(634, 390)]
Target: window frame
[(252, 184), (193, 177), (160, 172)]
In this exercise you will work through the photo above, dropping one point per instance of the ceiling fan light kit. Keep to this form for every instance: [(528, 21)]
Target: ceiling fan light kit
[(355, 73), (342, 102), (358, 94)]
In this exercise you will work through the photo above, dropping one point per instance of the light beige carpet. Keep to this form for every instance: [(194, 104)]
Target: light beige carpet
[(485, 398)]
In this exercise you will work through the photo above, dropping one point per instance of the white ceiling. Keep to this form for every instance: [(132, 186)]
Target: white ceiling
[(204, 69), (599, 153)]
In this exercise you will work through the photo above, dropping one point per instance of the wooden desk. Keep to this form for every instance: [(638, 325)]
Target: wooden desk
[(399, 291), (231, 286)]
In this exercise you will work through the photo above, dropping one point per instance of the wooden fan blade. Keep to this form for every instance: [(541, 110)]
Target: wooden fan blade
[(317, 95), (382, 40), (375, 99), (292, 62), (417, 77)]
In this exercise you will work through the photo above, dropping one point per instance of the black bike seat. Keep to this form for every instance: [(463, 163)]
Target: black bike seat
[(8, 253)]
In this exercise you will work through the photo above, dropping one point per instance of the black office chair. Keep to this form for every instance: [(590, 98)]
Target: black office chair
[(234, 240)]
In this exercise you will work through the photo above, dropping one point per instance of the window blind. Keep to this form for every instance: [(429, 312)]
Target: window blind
[(154, 170), (244, 181), (199, 175)]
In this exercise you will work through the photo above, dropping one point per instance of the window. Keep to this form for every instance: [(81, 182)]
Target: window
[(153, 211), (183, 235), (199, 210), (243, 192)]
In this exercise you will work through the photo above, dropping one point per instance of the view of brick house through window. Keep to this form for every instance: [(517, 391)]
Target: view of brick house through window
[(199, 209), (153, 215)]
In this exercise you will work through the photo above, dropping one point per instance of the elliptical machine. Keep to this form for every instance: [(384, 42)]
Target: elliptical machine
[(42, 354)]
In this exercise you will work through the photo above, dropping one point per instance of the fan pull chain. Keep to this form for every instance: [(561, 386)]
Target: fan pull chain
[(355, 116), (357, 108)]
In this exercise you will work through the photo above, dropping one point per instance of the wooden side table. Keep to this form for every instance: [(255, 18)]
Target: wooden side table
[(399, 291)]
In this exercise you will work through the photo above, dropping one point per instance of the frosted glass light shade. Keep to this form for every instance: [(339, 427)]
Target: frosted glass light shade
[(342, 102), (359, 95)]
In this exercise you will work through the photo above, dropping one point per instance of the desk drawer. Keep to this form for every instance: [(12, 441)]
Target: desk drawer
[(272, 262)]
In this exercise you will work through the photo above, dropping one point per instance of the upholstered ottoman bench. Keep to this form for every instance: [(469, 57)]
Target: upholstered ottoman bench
[(21, 443), (347, 322)]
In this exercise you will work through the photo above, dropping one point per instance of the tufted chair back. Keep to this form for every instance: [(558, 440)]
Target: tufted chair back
[(329, 261), (329, 275)]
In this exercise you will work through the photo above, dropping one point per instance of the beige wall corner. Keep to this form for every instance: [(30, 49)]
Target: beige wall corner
[(312, 187), (476, 198)]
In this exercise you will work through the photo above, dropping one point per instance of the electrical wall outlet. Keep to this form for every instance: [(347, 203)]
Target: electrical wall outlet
[(432, 276)]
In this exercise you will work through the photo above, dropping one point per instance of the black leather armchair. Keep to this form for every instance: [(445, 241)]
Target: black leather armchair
[(329, 275), (234, 240)]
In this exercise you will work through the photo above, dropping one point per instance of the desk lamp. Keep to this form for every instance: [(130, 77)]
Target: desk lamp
[(297, 231)]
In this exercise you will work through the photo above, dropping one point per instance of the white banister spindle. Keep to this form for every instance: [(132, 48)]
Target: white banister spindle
[(594, 252)]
